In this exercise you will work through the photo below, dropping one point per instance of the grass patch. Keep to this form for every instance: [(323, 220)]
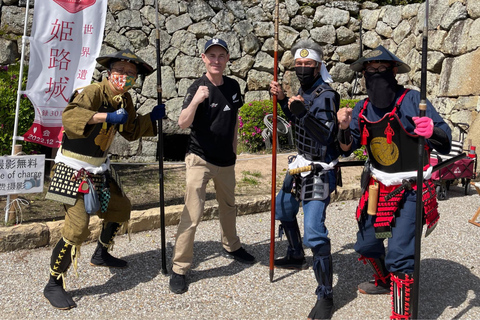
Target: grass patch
[(250, 178)]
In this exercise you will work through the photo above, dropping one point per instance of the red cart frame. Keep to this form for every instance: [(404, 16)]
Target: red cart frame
[(463, 170)]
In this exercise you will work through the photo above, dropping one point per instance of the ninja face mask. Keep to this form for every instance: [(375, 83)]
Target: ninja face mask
[(381, 88), (306, 75)]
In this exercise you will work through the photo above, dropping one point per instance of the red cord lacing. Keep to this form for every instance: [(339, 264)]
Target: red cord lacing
[(406, 284), (378, 271)]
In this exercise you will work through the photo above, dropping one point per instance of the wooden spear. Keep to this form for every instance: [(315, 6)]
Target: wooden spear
[(274, 147)]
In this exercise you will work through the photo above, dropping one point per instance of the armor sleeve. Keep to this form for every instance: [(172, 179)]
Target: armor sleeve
[(320, 120), (440, 141), (284, 105)]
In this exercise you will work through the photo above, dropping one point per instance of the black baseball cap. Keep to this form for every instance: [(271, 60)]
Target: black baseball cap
[(215, 42)]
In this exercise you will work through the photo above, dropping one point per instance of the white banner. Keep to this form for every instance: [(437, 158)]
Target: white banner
[(21, 174), (65, 41)]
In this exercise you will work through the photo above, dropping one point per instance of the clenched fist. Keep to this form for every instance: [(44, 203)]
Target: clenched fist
[(344, 117)]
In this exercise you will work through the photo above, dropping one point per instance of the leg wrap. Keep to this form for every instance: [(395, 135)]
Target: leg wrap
[(379, 269), (109, 231), (322, 267), (401, 295), (101, 256), (62, 256), (292, 231)]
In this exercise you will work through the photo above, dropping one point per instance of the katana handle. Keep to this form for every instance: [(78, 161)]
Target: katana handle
[(301, 169), (406, 184)]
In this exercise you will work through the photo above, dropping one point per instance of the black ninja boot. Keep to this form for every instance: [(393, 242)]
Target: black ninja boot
[(381, 282), (55, 289), (402, 284), (101, 257), (295, 258), (322, 266)]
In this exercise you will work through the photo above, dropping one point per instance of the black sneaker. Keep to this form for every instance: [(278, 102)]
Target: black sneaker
[(178, 284), (242, 256)]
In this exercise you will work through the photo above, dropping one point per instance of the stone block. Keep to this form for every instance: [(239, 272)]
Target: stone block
[(23, 236)]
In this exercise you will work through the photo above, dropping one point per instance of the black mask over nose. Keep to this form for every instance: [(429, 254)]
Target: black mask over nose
[(306, 76), (381, 88)]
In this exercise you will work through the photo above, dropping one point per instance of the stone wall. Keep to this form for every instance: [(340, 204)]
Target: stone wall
[(248, 28)]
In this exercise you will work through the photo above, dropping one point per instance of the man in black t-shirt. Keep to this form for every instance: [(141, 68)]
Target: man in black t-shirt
[(210, 110)]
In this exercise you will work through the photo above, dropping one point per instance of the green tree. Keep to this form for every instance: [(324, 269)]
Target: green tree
[(8, 101)]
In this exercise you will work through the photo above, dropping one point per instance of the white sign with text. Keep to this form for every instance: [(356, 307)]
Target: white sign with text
[(21, 174)]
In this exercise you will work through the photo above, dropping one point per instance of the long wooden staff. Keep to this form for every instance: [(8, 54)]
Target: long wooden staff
[(160, 147), (419, 208), (274, 147)]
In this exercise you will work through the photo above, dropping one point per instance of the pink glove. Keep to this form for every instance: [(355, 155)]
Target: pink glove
[(424, 126)]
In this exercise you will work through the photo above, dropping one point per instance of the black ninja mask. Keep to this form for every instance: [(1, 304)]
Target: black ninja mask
[(381, 88), (306, 76)]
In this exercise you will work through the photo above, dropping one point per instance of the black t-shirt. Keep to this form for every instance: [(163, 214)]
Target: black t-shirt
[(213, 127)]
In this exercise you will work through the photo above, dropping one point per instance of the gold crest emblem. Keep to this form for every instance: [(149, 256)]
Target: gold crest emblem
[(129, 55), (304, 53), (385, 153)]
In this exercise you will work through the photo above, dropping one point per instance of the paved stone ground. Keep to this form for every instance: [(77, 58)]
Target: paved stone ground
[(224, 289)]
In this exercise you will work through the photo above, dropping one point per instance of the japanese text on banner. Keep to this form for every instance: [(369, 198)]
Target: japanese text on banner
[(66, 38)]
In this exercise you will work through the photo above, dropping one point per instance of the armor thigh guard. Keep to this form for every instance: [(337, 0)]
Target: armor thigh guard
[(315, 187)]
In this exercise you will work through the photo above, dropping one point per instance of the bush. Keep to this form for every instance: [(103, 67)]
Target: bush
[(251, 124), (8, 100), (348, 103), (360, 153)]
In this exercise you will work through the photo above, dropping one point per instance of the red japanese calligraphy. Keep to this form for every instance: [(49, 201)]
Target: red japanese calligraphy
[(85, 51), (61, 31), (59, 59), (82, 74), (57, 88), (88, 29)]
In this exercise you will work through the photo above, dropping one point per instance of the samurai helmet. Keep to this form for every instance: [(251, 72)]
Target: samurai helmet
[(380, 53)]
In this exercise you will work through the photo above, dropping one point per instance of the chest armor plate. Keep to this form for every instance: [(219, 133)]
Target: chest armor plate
[(390, 147)]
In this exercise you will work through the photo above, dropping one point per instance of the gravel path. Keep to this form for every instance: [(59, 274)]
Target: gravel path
[(221, 288)]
